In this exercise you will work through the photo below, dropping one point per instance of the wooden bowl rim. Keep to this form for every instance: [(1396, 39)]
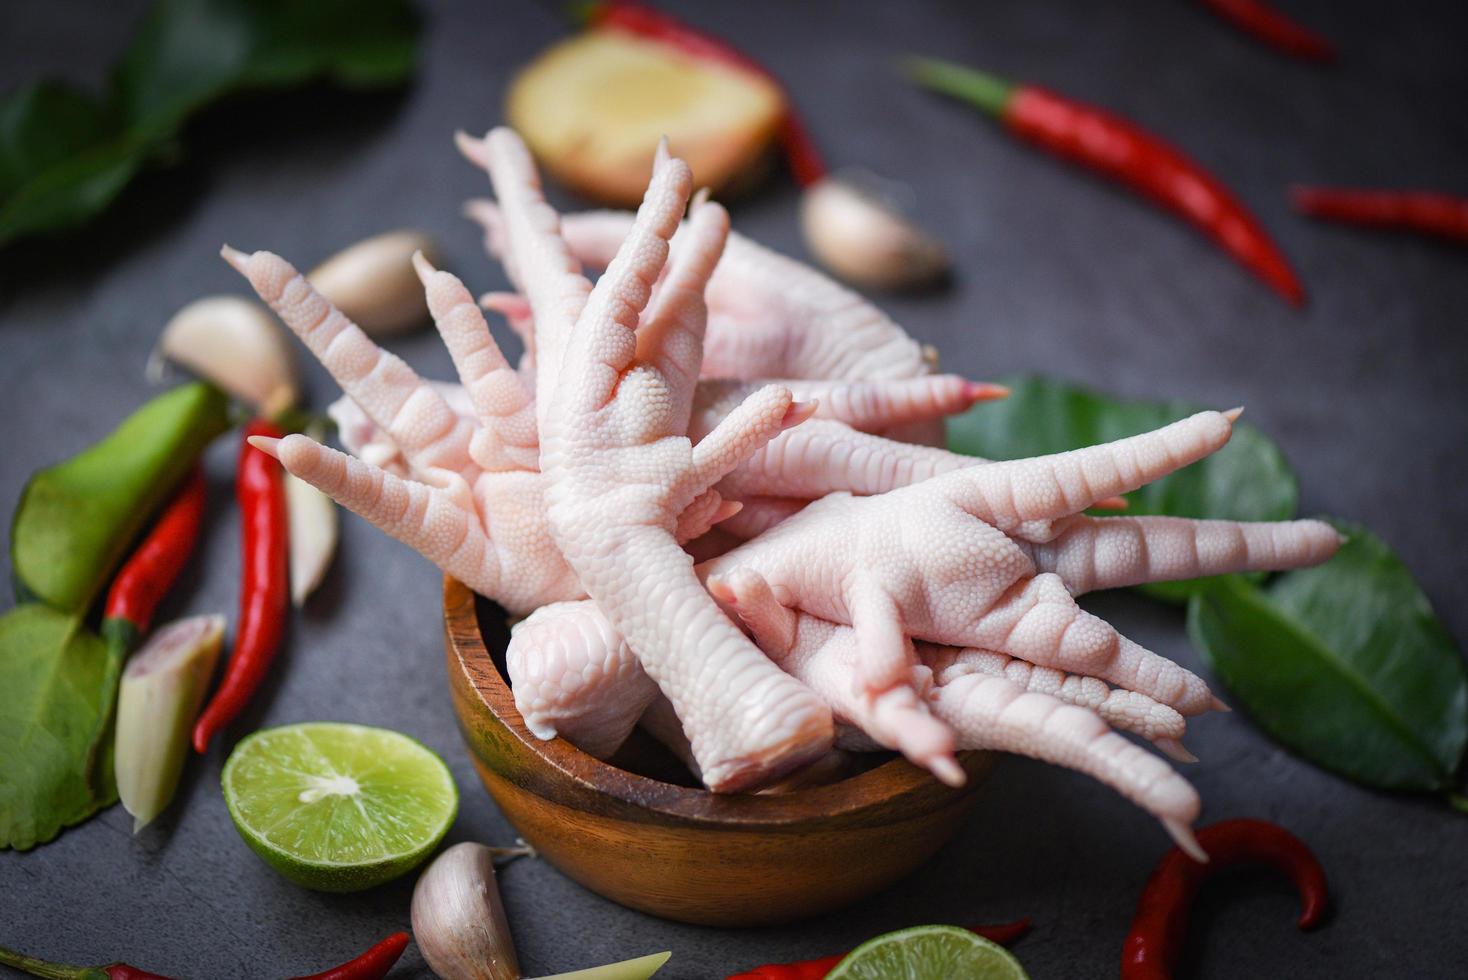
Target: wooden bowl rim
[(896, 785)]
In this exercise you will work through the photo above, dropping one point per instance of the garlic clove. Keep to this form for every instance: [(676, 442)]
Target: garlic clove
[(313, 531), (458, 920), (236, 344), (373, 282), (638, 969), (161, 691), (865, 240)]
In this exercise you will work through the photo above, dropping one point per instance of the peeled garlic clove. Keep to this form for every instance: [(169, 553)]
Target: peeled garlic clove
[(236, 344), (313, 530), (865, 240), (374, 284), (458, 921), (638, 969), (159, 696)]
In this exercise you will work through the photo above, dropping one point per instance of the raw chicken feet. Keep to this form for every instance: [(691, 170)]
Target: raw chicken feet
[(614, 411)]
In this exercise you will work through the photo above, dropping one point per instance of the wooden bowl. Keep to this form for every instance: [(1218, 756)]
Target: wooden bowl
[(685, 853)]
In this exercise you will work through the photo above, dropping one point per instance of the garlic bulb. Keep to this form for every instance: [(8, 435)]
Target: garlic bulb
[(374, 284), (865, 240), (236, 344), (458, 921)]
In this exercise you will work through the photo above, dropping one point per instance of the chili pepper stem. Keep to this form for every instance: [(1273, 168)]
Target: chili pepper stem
[(987, 91), (51, 971)]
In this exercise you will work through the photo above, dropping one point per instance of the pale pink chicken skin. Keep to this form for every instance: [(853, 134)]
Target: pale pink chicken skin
[(612, 677), (475, 507), (567, 684), (836, 450), (474, 503), (961, 560), (1086, 553), (768, 315), (448, 518), (496, 427), (615, 383)]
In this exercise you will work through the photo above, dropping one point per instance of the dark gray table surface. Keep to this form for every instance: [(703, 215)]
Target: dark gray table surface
[(1056, 272)]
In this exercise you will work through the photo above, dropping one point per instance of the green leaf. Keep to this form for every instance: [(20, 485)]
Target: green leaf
[(188, 53), (1346, 664), (1247, 480), (42, 125), (59, 682), (65, 156), (75, 520)]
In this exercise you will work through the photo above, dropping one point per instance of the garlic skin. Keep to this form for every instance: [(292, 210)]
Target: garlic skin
[(373, 282), (866, 241), (313, 532), (236, 344), (157, 700), (458, 921)]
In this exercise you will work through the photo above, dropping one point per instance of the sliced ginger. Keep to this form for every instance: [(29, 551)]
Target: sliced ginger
[(592, 109)]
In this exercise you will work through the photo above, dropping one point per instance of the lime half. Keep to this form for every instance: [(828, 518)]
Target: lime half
[(929, 953), (338, 807)]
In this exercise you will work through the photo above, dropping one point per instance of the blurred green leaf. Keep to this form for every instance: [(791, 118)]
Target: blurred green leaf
[(65, 156), (1247, 480), (1345, 663), (59, 683)]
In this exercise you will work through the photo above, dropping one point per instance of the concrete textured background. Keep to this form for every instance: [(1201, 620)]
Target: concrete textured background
[(1056, 272)]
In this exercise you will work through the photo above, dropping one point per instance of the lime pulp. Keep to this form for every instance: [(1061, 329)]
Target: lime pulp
[(338, 807), (929, 953)]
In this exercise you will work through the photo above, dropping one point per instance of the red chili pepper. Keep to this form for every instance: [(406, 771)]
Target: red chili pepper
[(1261, 21), (146, 577), (1128, 154), (62, 971), (1160, 926), (264, 585), (817, 969), (804, 160), (1427, 212), (371, 965)]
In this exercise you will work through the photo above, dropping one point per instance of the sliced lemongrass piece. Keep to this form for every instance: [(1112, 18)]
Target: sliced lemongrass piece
[(638, 969), (236, 344), (374, 284), (313, 533), (160, 694)]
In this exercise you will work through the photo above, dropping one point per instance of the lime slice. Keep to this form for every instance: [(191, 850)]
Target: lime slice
[(929, 953), (338, 807)]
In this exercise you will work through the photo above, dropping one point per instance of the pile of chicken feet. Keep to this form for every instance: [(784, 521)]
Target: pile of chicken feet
[(762, 571)]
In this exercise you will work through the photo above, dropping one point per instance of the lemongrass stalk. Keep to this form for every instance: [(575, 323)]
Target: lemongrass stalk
[(161, 691), (638, 969)]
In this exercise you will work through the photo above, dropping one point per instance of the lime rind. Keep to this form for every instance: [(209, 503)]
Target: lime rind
[(929, 953), (337, 806)]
